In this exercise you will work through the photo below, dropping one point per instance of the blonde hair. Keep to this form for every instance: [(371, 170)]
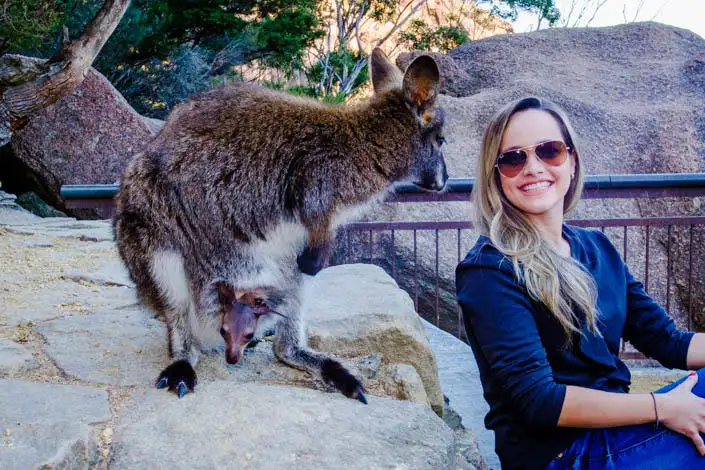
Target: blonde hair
[(561, 283)]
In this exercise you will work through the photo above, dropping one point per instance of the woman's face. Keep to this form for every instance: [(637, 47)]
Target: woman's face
[(539, 188)]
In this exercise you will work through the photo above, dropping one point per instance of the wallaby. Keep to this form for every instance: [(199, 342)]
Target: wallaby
[(243, 184)]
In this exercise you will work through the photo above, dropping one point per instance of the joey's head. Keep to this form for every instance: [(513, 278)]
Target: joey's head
[(419, 85), (240, 310)]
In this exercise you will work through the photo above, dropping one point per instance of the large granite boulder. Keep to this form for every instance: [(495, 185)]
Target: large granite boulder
[(87, 137)]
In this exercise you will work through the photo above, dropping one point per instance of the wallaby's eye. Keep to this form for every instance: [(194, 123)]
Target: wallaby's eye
[(222, 331), (249, 336), (440, 140)]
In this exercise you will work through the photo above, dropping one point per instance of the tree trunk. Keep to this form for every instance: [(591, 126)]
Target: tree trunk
[(28, 85)]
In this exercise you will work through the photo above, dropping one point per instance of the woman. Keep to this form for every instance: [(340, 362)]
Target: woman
[(545, 307)]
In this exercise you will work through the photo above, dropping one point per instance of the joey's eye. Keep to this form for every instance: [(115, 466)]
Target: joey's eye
[(440, 140), (249, 336), (222, 331)]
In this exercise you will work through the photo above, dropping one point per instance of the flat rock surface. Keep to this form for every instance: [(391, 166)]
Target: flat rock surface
[(258, 426), (119, 347), (47, 424), (87, 230), (15, 357)]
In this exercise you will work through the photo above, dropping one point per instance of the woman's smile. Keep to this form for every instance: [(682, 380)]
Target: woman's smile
[(536, 188)]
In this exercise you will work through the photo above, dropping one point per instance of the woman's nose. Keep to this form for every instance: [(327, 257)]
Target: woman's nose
[(533, 164)]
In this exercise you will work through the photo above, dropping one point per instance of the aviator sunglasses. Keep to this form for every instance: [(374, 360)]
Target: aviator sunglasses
[(511, 162)]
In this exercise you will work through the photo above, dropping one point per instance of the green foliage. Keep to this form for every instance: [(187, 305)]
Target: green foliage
[(302, 90), (280, 46), (30, 26), (165, 50), (338, 76), (156, 85), (443, 39), (510, 9), (383, 10)]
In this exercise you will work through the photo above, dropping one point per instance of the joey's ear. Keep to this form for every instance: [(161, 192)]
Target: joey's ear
[(226, 293), (385, 74), (422, 82)]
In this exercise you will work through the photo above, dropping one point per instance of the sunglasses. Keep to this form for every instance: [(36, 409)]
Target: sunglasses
[(511, 162)]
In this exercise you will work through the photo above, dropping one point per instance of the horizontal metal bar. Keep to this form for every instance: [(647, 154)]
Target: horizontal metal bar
[(591, 223), (627, 193), (448, 225), (641, 222), (89, 191), (592, 182), (458, 189)]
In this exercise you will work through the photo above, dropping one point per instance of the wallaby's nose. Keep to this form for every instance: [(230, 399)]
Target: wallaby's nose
[(435, 184)]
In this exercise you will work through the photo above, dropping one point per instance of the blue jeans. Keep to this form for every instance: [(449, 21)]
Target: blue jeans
[(640, 447)]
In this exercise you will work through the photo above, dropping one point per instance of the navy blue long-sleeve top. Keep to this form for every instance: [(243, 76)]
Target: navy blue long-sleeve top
[(524, 362)]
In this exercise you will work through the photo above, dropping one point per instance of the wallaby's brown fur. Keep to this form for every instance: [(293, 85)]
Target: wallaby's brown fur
[(241, 179)]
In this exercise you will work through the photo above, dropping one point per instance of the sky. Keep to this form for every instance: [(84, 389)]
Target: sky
[(688, 14)]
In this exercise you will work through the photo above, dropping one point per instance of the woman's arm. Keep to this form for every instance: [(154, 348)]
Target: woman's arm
[(679, 410), (696, 352), (588, 408)]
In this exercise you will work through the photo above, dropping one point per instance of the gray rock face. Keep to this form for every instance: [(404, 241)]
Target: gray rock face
[(48, 426), (263, 427), (12, 214), (633, 92), (403, 382), (111, 274), (7, 199)]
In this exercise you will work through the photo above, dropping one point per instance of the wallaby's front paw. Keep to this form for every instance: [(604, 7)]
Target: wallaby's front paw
[(335, 374), (179, 377)]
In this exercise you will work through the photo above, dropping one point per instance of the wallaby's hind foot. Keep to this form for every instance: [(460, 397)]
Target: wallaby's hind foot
[(179, 377), (334, 374)]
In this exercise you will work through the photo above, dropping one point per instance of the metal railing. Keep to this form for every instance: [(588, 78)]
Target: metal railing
[(360, 242), (661, 251)]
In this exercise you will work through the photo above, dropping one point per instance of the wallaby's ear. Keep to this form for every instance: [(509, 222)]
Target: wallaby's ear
[(422, 82), (385, 75)]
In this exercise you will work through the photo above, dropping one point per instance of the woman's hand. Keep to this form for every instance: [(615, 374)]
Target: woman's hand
[(682, 411)]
